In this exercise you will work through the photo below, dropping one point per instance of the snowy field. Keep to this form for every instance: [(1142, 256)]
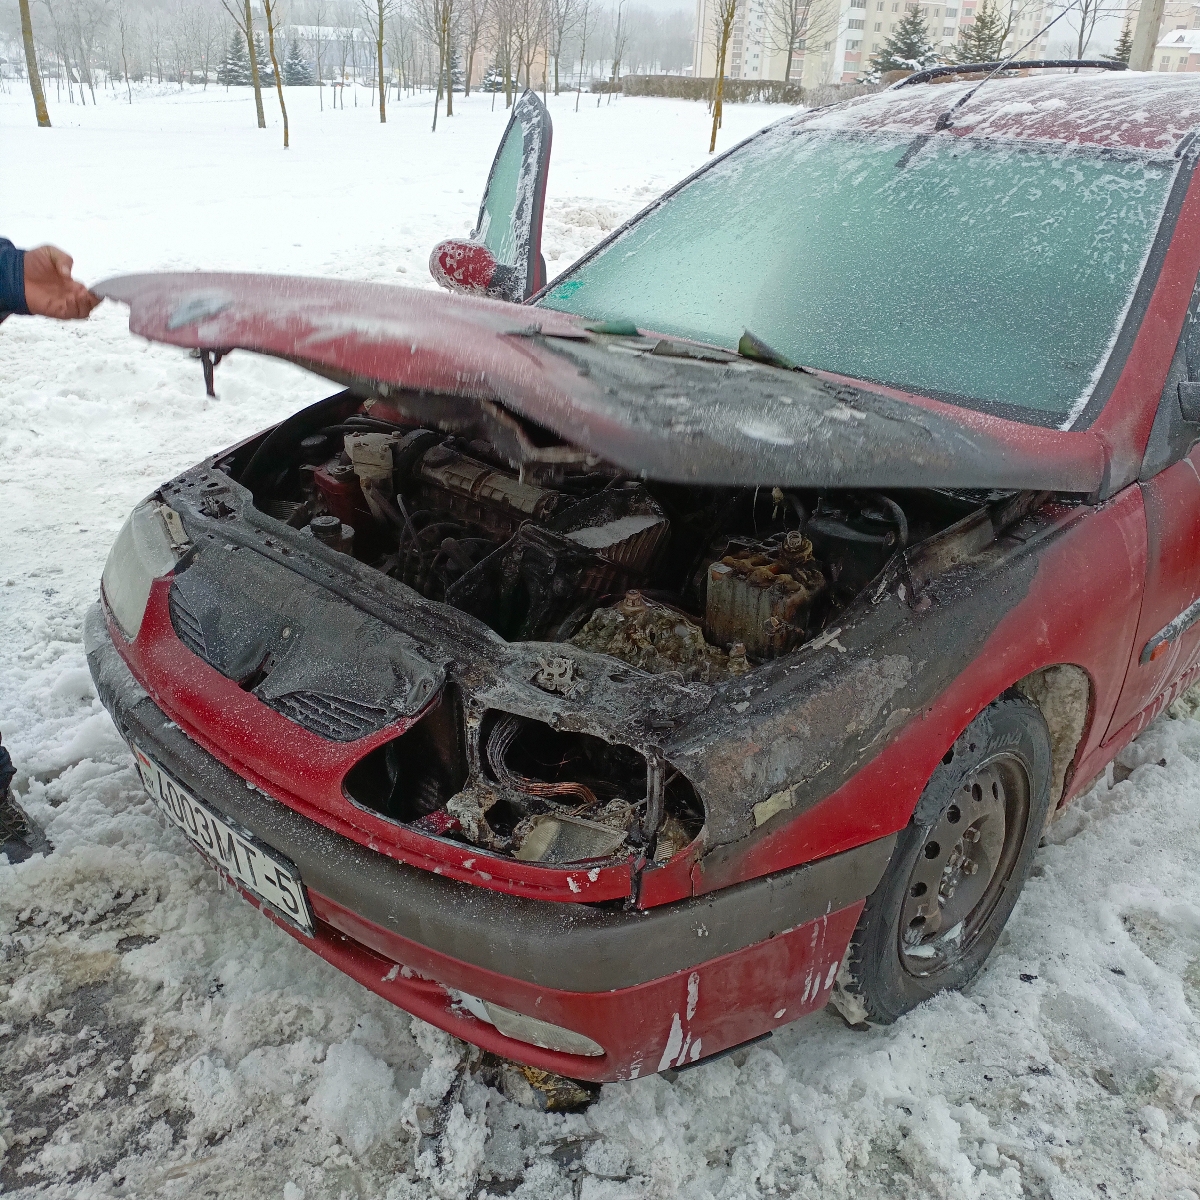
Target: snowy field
[(160, 1039)]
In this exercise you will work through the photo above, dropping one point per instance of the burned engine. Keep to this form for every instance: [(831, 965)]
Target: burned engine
[(702, 582)]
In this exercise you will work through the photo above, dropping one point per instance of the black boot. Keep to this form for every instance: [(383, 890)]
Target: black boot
[(20, 835)]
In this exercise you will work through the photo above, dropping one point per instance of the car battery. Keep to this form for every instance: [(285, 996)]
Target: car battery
[(760, 593)]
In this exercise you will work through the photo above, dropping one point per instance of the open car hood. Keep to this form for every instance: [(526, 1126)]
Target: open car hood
[(716, 420)]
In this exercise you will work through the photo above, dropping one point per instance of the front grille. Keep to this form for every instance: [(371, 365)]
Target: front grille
[(331, 717), (187, 625)]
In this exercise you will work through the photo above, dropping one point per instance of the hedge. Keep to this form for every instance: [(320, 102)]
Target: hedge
[(735, 91)]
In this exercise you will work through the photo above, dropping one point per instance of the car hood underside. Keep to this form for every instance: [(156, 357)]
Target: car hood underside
[(662, 409)]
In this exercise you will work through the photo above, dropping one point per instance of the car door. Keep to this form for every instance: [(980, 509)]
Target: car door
[(503, 256), (1166, 651)]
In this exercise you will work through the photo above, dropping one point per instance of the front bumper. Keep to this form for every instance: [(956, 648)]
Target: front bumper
[(655, 988)]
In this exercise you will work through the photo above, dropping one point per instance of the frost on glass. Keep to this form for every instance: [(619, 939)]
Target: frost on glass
[(496, 229), (974, 270), (507, 217)]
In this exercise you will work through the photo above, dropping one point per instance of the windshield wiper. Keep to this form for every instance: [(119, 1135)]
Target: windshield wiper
[(616, 327), (749, 346), (947, 118)]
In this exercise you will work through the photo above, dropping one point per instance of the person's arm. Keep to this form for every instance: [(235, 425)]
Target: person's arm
[(12, 279), (39, 282)]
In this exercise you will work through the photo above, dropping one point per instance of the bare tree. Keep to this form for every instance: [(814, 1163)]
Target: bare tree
[(271, 11), (318, 15), (65, 19), (649, 36), (155, 35), (207, 36), (88, 20), (353, 47), (62, 42), (473, 15), (586, 18), (724, 12), (561, 16), (503, 36), (401, 50), (446, 10), (64, 63), (345, 50), (378, 13), (243, 18), (181, 39), (1087, 12), (522, 36), (437, 21), (1014, 14), (790, 23), (529, 30), (124, 32), (620, 37), (31, 67)]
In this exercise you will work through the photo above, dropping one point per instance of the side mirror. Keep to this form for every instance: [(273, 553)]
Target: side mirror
[(464, 266), (503, 256)]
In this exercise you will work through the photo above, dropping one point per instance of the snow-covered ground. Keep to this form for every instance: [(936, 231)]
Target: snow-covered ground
[(159, 1038)]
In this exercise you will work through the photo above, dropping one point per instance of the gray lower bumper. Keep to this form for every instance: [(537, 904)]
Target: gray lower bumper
[(572, 947)]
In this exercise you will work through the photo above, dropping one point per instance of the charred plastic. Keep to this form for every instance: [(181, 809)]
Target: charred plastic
[(701, 582)]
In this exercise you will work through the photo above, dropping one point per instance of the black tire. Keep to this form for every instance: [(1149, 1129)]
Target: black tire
[(992, 790)]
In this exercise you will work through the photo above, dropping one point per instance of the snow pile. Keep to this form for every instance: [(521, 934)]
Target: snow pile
[(356, 1099), (159, 1038)]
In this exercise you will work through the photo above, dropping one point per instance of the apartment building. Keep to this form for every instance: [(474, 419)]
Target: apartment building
[(842, 35), (1178, 46)]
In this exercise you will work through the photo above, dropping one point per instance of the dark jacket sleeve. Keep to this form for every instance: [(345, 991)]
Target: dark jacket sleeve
[(12, 279)]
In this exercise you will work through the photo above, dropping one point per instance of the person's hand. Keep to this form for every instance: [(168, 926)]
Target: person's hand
[(49, 289)]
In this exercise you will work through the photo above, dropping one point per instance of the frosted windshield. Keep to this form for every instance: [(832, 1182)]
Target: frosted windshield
[(979, 271)]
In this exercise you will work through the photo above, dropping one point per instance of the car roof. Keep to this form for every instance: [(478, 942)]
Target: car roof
[(1130, 110)]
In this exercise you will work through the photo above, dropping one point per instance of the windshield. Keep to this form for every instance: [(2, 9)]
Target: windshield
[(982, 272)]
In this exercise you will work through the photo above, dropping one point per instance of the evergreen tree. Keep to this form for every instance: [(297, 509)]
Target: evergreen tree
[(235, 66), (457, 75), (1124, 46), (296, 69), (266, 73), (984, 40), (493, 79), (909, 48)]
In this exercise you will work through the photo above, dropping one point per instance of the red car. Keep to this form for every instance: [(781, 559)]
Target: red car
[(611, 677)]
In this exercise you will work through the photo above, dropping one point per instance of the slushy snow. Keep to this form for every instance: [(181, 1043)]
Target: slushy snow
[(158, 1038)]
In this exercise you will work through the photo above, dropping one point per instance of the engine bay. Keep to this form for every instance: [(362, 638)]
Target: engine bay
[(705, 583)]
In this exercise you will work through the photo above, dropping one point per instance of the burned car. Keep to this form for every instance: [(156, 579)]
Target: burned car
[(617, 669)]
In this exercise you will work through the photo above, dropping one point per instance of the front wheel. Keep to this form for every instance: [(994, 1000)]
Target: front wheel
[(957, 869)]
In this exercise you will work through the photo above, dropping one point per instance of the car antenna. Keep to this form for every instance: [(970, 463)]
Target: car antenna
[(947, 118)]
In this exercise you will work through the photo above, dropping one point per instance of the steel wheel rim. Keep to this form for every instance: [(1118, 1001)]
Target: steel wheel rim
[(963, 866)]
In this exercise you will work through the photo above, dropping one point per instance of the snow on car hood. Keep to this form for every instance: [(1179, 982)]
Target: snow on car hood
[(715, 420)]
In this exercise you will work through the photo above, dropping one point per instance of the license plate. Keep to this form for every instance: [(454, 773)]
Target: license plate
[(249, 863)]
